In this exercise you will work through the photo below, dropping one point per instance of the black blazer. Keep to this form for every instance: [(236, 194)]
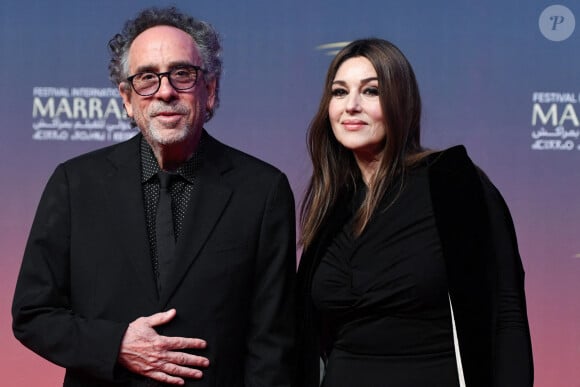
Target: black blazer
[(87, 270), (484, 273)]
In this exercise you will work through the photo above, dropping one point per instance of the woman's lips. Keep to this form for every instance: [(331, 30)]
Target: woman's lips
[(353, 124)]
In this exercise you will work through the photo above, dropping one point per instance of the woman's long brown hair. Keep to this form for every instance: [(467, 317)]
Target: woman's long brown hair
[(334, 168)]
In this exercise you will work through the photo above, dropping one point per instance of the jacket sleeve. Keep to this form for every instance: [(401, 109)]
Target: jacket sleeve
[(513, 352), (43, 319), (271, 330)]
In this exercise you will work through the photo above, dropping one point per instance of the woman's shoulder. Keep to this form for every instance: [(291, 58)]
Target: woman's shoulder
[(453, 159), (455, 153)]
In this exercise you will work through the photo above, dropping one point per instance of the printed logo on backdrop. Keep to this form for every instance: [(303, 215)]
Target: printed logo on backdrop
[(332, 49), (555, 124), (557, 23), (79, 114)]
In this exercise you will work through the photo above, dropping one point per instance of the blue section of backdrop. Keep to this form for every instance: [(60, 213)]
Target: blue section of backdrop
[(478, 65)]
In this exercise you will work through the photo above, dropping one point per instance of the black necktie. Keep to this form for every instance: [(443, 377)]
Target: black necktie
[(164, 229)]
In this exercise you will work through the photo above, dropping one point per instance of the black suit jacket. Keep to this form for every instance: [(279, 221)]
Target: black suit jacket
[(87, 270)]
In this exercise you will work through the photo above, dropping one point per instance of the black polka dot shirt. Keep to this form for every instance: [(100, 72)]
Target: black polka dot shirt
[(180, 190)]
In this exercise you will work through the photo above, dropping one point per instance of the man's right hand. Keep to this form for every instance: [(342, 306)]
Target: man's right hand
[(147, 353)]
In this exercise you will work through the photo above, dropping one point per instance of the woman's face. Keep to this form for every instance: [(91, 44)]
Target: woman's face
[(355, 111)]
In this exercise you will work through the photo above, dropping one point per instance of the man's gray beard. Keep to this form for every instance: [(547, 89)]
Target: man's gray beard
[(154, 135)]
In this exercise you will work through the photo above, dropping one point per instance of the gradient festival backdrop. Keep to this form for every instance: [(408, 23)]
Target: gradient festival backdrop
[(500, 76)]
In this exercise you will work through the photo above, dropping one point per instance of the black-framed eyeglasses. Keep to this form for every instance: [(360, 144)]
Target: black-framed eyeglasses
[(181, 78)]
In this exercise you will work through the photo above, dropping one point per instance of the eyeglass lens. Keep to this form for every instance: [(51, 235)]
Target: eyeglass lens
[(148, 83)]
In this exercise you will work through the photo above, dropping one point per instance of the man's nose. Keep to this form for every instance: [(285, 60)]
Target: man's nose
[(166, 90)]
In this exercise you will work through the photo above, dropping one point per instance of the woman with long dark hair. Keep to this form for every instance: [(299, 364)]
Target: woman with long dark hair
[(410, 273)]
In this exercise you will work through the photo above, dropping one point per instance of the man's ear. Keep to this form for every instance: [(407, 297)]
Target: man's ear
[(211, 90)]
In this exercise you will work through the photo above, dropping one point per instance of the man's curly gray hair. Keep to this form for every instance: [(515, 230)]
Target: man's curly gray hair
[(204, 35)]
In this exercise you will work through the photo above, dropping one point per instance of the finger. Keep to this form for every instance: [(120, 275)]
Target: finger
[(186, 359), (178, 372), (172, 343), (161, 317), (166, 379)]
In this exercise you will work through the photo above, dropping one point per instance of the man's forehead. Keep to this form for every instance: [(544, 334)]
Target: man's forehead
[(162, 44)]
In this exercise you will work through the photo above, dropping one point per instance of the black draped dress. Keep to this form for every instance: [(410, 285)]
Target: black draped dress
[(383, 297)]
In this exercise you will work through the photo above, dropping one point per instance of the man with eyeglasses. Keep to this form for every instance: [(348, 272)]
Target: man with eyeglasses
[(168, 258)]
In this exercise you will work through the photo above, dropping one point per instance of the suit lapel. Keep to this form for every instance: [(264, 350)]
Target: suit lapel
[(124, 200), (208, 201)]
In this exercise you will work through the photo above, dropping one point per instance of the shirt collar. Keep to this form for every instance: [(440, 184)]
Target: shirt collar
[(150, 167)]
